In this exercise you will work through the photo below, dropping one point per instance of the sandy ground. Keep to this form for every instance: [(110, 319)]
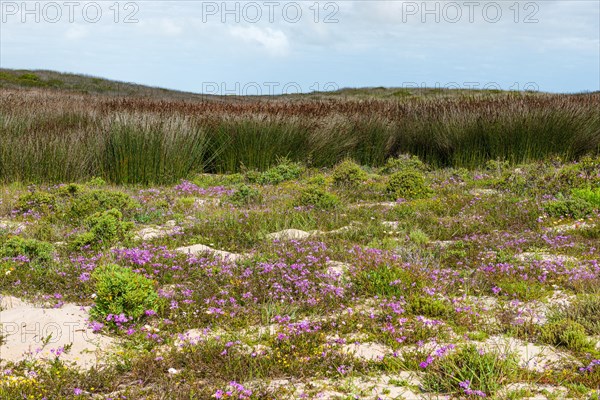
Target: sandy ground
[(25, 327)]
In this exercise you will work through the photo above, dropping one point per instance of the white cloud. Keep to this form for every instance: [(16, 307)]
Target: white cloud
[(76, 32), (275, 42), (573, 43), (169, 28)]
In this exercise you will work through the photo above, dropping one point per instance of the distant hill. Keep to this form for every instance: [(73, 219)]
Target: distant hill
[(10, 78)]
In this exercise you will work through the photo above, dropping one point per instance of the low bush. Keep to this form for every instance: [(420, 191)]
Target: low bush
[(568, 207), (34, 250), (285, 170), (497, 166), (585, 310), (566, 333), (402, 163), (409, 184), (318, 197), (429, 307), (418, 236), (470, 371), (119, 290), (94, 201), (348, 174), (590, 195), (104, 230), (593, 232), (36, 201), (245, 195)]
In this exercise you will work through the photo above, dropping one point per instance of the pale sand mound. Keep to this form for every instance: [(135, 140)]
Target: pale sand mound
[(290, 234), (297, 234), (24, 327), (367, 351), (198, 249), (531, 356), (578, 225), (544, 257)]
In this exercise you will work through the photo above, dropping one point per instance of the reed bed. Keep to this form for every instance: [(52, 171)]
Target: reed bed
[(53, 136)]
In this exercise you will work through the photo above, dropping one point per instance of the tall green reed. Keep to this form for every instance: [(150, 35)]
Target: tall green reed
[(51, 137), (149, 150)]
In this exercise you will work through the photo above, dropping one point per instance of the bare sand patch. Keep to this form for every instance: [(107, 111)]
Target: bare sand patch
[(25, 327)]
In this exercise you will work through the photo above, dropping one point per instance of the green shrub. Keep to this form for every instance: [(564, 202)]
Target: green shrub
[(497, 166), (245, 195), (387, 280), (566, 333), (477, 335), (35, 250), (585, 310), (514, 181), (317, 197), (119, 290), (94, 201), (348, 174), (252, 176), (316, 180), (29, 77), (468, 370), (409, 184), (567, 177), (429, 306), (592, 232), (402, 163), (36, 201), (96, 182), (591, 196), (70, 190), (104, 230), (590, 166), (284, 171), (182, 204), (518, 288), (574, 207), (418, 236)]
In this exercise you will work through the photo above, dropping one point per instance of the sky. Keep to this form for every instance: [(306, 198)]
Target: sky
[(273, 47)]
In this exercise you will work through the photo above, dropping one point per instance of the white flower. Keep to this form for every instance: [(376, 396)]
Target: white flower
[(172, 371)]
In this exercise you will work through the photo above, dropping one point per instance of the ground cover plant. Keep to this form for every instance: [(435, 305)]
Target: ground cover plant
[(300, 282)]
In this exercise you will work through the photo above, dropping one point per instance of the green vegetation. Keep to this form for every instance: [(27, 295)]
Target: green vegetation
[(348, 174), (156, 141), (567, 333), (104, 230), (36, 251), (317, 197), (408, 184), (471, 372), (245, 195), (329, 261), (285, 170), (575, 207), (121, 291), (592, 196), (585, 310)]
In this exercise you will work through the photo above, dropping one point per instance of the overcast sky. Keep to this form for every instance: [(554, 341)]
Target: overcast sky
[(274, 46)]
